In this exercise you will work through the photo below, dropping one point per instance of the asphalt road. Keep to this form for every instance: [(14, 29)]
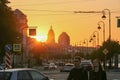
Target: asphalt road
[(57, 75)]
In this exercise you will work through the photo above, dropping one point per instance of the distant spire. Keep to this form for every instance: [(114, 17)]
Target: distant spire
[(51, 27), (51, 36)]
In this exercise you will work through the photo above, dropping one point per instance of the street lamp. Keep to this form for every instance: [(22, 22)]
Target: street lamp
[(91, 39), (97, 37), (109, 20), (99, 27), (86, 42)]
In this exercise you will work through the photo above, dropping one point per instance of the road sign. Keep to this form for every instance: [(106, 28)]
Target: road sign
[(105, 51), (17, 47), (8, 47)]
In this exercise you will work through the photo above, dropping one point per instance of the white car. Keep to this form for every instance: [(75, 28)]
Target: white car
[(22, 74), (50, 66), (87, 64), (67, 67)]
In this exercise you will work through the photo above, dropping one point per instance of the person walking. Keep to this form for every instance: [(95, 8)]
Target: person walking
[(77, 73), (98, 73)]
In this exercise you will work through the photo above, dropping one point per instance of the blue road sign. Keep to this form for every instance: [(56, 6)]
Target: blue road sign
[(8, 47)]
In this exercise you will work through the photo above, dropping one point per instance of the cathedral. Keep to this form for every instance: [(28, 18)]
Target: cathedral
[(63, 39), (51, 36)]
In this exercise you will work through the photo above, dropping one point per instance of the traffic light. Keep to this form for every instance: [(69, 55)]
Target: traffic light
[(32, 32), (118, 23)]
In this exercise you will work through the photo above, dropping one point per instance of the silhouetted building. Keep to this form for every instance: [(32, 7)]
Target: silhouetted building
[(64, 39), (22, 28), (51, 36)]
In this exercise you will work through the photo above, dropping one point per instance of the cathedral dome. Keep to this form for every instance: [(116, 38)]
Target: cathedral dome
[(64, 39)]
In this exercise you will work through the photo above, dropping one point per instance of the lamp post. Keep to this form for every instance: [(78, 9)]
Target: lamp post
[(99, 27), (109, 31), (23, 44), (109, 20), (86, 42), (81, 46), (97, 37)]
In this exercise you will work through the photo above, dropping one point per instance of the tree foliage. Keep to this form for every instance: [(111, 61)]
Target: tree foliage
[(8, 25), (112, 46)]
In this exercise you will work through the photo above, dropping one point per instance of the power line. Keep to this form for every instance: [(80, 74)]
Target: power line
[(48, 3), (46, 10)]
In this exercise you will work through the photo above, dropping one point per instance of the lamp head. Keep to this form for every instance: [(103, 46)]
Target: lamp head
[(89, 40), (99, 27), (103, 17), (94, 35)]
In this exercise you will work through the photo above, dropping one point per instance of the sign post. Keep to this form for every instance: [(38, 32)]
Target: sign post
[(105, 51), (8, 48)]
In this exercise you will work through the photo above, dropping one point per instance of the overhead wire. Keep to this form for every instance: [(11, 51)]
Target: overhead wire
[(47, 3)]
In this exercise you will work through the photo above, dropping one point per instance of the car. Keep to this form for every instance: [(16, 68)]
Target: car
[(2, 66), (22, 74), (50, 66), (46, 66), (67, 67), (86, 64)]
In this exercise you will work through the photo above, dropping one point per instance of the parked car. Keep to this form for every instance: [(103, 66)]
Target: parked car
[(67, 67), (2, 66), (46, 66), (86, 64), (22, 74), (50, 66)]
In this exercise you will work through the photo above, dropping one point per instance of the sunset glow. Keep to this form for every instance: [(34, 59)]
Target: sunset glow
[(60, 14), (41, 38)]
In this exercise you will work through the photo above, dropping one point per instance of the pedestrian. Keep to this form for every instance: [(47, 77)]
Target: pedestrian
[(98, 73), (77, 73)]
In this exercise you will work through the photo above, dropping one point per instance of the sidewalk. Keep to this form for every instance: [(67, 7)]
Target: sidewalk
[(113, 70), (38, 67)]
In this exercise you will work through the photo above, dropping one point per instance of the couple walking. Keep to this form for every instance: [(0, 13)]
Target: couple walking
[(79, 73)]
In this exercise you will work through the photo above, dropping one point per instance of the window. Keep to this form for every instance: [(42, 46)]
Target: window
[(23, 75), (5, 75), (37, 75)]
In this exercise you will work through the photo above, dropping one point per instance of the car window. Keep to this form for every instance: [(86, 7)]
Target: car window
[(23, 75), (37, 75), (5, 75)]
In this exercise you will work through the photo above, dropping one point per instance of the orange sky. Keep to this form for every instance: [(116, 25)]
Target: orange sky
[(59, 14)]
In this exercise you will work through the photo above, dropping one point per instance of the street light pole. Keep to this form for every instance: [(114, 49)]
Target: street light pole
[(109, 20), (23, 45), (97, 37), (86, 41), (103, 29), (109, 31)]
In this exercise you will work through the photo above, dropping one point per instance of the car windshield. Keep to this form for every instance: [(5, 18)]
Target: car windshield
[(5, 75), (69, 65), (85, 63)]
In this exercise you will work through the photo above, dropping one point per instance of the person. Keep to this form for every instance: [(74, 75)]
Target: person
[(98, 73), (77, 73)]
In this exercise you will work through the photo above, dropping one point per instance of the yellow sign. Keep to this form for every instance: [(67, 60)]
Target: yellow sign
[(17, 47)]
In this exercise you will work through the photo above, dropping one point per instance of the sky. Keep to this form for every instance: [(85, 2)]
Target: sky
[(60, 15)]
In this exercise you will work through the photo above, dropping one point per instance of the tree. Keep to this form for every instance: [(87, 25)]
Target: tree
[(113, 49), (8, 26)]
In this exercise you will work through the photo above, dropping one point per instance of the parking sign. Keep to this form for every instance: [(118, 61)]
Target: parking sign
[(17, 47)]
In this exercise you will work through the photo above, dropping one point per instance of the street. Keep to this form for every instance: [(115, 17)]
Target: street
[(57, 75)]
